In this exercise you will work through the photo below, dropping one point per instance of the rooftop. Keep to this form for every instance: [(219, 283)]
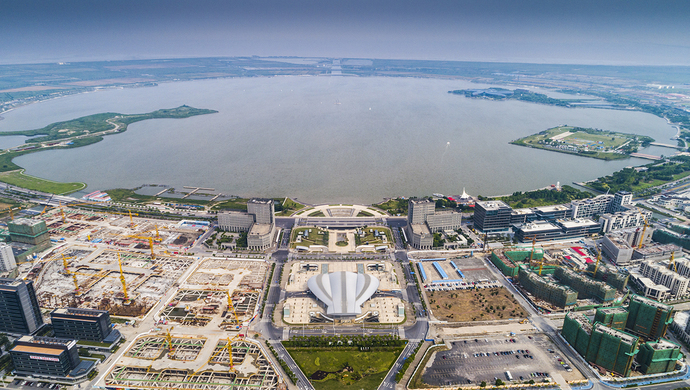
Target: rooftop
[(260, 200), (613, 310), (662, 345), (538, 226), (650, 302), (260, 228), (575, 223), (37, 349), (658, 249), (625, 337), (26, 221), (420, 228), (547, 209), (493, 205), (80, 312), (522, 211), (37, 340)]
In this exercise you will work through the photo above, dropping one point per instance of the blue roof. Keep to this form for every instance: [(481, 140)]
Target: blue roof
[(112, 337), (83, 367)]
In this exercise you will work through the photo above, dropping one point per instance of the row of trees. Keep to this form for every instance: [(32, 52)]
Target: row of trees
[(627, 179), (344, 341), (542, 197)]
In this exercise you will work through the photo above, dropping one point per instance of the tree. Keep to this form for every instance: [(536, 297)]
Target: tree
[(499, 382), (483, 384)]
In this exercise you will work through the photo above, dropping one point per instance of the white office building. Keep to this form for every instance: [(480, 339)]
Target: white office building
[(7, 261)]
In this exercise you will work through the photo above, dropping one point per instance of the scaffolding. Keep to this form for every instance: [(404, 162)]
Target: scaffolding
[(612, 349), (577, 330), (585, 286), (658, 357), (610, 275), (648, 319), (546, 290), (182, 348), (615, 317)]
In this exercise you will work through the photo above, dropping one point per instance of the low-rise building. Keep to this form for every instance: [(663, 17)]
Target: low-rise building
[(656, 252), (81, 324), (660, 274), (47, 357)]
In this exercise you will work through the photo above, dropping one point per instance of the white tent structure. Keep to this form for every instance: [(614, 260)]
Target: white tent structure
[(343, 292)]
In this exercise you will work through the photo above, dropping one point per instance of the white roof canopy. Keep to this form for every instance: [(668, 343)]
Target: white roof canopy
[(343, 292)]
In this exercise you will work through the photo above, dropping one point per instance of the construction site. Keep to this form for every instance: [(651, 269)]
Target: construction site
[(625, 341), (302, 307), (213, 361), (219, 294), (562, 279), (120, 263)]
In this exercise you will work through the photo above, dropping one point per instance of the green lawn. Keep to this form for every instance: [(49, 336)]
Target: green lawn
[(313, 238), (18, 178), (368, 368), (373, 240), (317, 213)]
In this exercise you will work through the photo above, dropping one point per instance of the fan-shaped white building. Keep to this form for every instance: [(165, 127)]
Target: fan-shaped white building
[(343, 292)]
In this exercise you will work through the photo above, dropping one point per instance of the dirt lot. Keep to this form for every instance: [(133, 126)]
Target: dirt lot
[(474, 305)]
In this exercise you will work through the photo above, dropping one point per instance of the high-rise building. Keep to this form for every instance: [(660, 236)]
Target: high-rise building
[(492, 216), (19, 311), (658, 356), (45, 356), (262, 209), (612, 349), (648, 319), (258, 222), (29, 231), (81, 324), (419, 209), (7, 262)]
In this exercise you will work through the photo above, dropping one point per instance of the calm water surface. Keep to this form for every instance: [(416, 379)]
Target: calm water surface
[(324, 139)]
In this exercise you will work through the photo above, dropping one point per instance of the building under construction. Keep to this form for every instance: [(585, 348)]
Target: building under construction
[(613, 317), (585, 286), (647, 318), (606, 345), (658, 356), (610, 275), (577, 330), (612, 349), (508, 262), (547, 290)]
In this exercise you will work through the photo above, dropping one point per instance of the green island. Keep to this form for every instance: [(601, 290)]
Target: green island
[(74, 133), (586, 142), (359, 362)]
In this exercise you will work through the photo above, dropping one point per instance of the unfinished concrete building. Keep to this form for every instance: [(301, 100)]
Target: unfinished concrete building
[(585, 286), (541, 288), (610, 275), (612, 349), (659, 356), (577, 331), (613, 317), (648, 319)]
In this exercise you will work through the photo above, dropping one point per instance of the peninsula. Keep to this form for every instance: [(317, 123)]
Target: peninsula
[(73, 134)]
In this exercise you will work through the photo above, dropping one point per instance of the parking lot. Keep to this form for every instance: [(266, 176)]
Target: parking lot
[(24, 384), (471, 361)]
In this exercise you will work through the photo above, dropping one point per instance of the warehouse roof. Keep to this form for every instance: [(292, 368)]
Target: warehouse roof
[(343, 292)]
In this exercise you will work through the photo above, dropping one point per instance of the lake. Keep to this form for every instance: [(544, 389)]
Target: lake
[(324, 139)]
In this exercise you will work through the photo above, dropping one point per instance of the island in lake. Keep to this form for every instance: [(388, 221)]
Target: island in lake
[(587, 142)]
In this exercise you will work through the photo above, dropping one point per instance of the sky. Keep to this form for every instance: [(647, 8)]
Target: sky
[(631, 32)]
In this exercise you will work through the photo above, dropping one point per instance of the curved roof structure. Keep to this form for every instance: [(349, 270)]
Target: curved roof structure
[(343, 292)]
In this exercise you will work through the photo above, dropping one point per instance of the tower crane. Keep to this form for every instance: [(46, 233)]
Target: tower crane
[(71, 273), (639, 245), (126, 301), (232, 308), (596, 266), (168, 339), (226, 347), (150, 240), (672, 263)]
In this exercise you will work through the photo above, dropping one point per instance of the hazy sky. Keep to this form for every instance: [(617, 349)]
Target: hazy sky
[(552, 31)]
